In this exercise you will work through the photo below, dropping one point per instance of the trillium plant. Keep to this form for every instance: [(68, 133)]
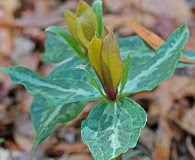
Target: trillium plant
[(94, 65)]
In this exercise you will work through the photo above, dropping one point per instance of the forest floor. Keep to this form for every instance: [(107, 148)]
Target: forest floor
[(22, 37)]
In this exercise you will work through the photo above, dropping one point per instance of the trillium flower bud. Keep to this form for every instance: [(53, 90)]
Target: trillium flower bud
[(83, 24), (105, 59)]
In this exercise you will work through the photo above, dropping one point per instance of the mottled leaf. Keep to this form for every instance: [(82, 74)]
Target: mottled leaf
[(152, 39), (59, 45), (45, 116), (151, 68), (71, 63), (136, 46), (72, 85), (190, 54), (112, 128)]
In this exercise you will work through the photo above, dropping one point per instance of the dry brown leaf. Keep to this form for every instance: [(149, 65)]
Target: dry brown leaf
[(11, 145), (163, 141), (190, 43), (5, 61), (119, 22), (39, 21), (149, 141), (20, 52), (61, 148), (114, 5), (6, 121), (80, 157), (6, 37), (169, 105), (190, 146), (23, 130), (171, 8), (31, 61), (45, 69), (10, 5), (168, 92), (151, 38), (10, 25), (5, 86), (187, 123)]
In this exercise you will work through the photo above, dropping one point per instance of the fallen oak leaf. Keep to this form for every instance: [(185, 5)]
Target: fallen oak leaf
[(11, 25), (152, 39), (163, 140), (186, 123)]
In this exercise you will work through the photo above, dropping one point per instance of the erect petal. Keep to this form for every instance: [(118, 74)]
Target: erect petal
[(70, 19), (111, 62), (87, 20), (105, 58), (80, 33), (94, 51)]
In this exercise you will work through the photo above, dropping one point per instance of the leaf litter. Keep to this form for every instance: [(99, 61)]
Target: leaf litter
[(170, 106)]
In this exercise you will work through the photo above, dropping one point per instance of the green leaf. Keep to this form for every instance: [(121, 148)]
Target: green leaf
[(112, 128), (136, 46), (189, 54), (71, 85), (46, 116), (59, 45), (70, 64), (151, 68), (97, 8), (140, 49), (125, 74)]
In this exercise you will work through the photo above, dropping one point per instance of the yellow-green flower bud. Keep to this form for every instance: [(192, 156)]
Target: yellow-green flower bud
[(105, 58), (83, 24)]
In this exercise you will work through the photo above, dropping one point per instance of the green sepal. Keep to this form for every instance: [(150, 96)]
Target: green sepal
[(97, 8), (125, 74)]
